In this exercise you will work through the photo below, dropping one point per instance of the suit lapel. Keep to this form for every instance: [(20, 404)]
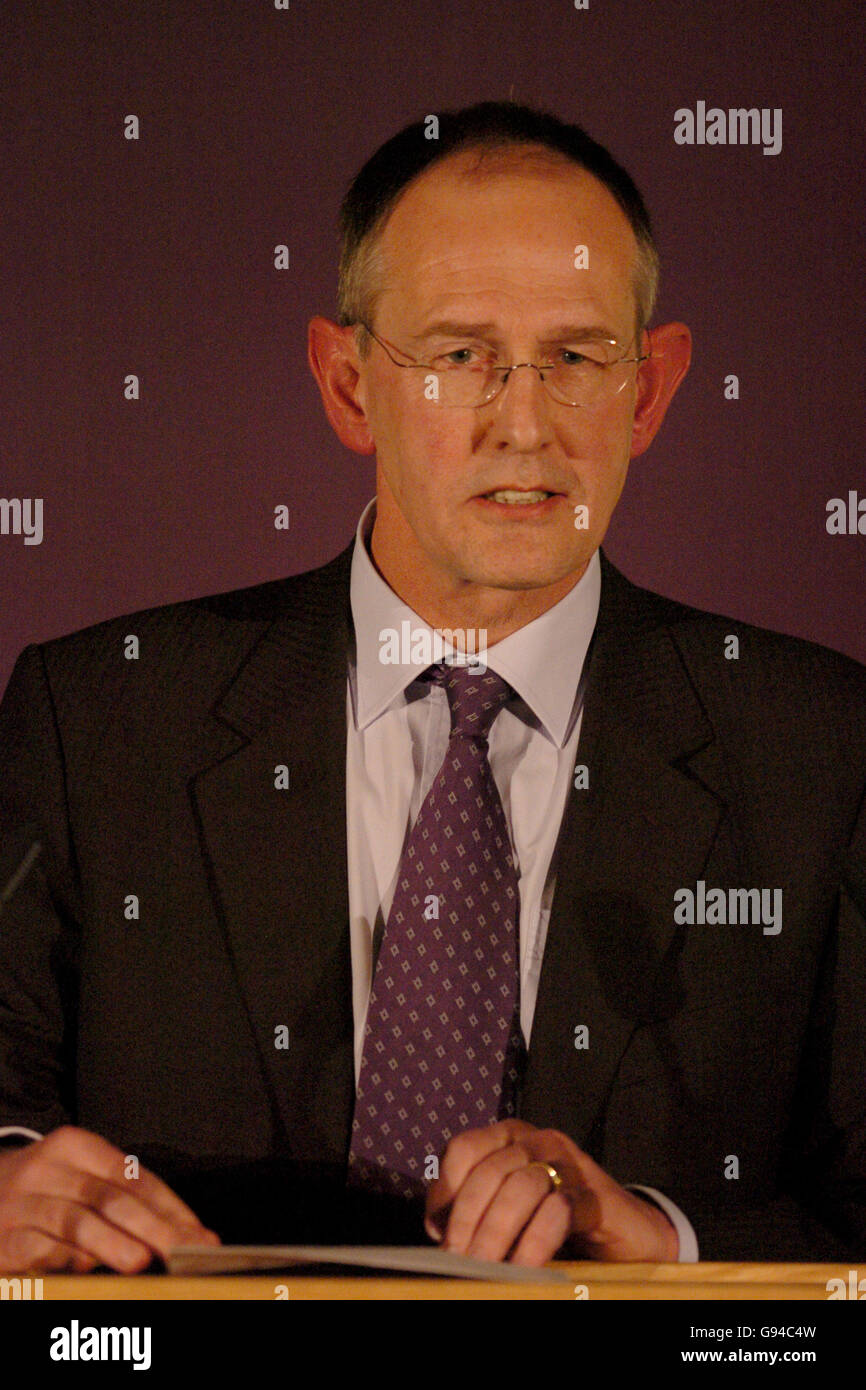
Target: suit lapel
[(645, 826), (276, 859)]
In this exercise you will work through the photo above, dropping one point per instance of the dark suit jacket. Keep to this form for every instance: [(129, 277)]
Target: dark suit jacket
[(155, 778)]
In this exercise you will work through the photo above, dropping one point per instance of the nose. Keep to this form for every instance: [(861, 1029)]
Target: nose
[(520, 414)]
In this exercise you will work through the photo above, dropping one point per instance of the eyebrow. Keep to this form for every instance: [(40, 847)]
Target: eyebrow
[(455, 328)]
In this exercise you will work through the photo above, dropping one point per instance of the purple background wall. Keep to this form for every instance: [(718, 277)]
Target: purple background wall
[(156, 257)]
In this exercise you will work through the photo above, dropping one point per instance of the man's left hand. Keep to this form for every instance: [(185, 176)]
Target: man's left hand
[(491, 1201)]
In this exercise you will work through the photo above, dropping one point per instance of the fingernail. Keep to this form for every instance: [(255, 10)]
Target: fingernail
[(433, 1229)]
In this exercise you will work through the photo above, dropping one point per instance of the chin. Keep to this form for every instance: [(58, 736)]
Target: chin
[(518, 570), (515, 576)]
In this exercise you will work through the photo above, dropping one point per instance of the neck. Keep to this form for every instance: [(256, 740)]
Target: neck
[(461, 605)]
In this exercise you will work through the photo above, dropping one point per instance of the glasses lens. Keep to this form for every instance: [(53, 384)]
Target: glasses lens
[(586, 375), (463, 385), (577, 383)]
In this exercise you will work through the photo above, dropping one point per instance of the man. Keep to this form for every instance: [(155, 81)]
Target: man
[(569, 950)]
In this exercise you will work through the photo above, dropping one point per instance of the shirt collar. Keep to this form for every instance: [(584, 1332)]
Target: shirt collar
[(542, 661)]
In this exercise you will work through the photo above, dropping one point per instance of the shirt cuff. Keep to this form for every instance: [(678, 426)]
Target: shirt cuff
[(18, 1132), (688, 1253)]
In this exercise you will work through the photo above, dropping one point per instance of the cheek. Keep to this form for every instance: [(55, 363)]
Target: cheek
[(613, 423), (599, 452), (604, 441), (432, 444), (605, 479)]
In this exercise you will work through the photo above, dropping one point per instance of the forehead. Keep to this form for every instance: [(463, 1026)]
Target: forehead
[(501, 234)]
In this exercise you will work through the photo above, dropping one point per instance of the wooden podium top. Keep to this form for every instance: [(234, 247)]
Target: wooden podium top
[(597, 1282)]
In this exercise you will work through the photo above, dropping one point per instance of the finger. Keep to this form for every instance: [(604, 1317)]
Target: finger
[(160, 1198), (545, 1233), (125, 1206), (80, 1149), (83, 1229), (84, 1262), (22, 1250), (129, 1213), (102, 1220), (478, 1192), (490, 1233), (463, 1153)]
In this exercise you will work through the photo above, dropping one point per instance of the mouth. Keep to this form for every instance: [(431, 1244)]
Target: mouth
[(523, 502), (518, 497)]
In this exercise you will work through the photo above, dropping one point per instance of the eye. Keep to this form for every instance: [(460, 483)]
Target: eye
[(571, 358), (474, 357)]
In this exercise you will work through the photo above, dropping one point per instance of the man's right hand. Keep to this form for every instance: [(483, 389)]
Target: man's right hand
[(66, 1204)]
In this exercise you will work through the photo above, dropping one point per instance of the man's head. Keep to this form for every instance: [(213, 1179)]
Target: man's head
[(469, 255)]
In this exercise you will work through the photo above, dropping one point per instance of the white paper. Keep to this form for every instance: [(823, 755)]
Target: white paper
[(234, 1259)]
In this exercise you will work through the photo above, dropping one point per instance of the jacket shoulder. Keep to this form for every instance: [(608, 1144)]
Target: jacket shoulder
[(739, 668), (258, 603), (701, 628), (187, 650)]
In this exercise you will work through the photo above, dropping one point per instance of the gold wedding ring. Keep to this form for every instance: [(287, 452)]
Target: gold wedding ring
[(553, 1173)]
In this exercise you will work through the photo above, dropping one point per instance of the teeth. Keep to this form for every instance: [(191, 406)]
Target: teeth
[(520, 498)]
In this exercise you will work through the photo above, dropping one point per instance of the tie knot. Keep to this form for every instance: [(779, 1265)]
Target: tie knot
[(474, 699)]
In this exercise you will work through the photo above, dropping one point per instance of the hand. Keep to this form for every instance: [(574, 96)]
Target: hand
[(490, 1203), (65, 1204)]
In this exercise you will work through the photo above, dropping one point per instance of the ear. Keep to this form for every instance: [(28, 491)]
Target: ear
[(670, 346), (334, 362)]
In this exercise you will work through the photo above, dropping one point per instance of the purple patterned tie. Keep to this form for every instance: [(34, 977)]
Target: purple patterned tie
[(442, 1046)]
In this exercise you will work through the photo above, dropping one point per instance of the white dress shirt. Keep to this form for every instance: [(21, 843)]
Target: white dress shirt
[(398, 731)]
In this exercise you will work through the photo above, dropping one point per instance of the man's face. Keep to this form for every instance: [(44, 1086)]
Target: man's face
[(489, 264)]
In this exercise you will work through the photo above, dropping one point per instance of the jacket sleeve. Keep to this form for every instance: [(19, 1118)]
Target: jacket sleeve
[(39, 909)]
